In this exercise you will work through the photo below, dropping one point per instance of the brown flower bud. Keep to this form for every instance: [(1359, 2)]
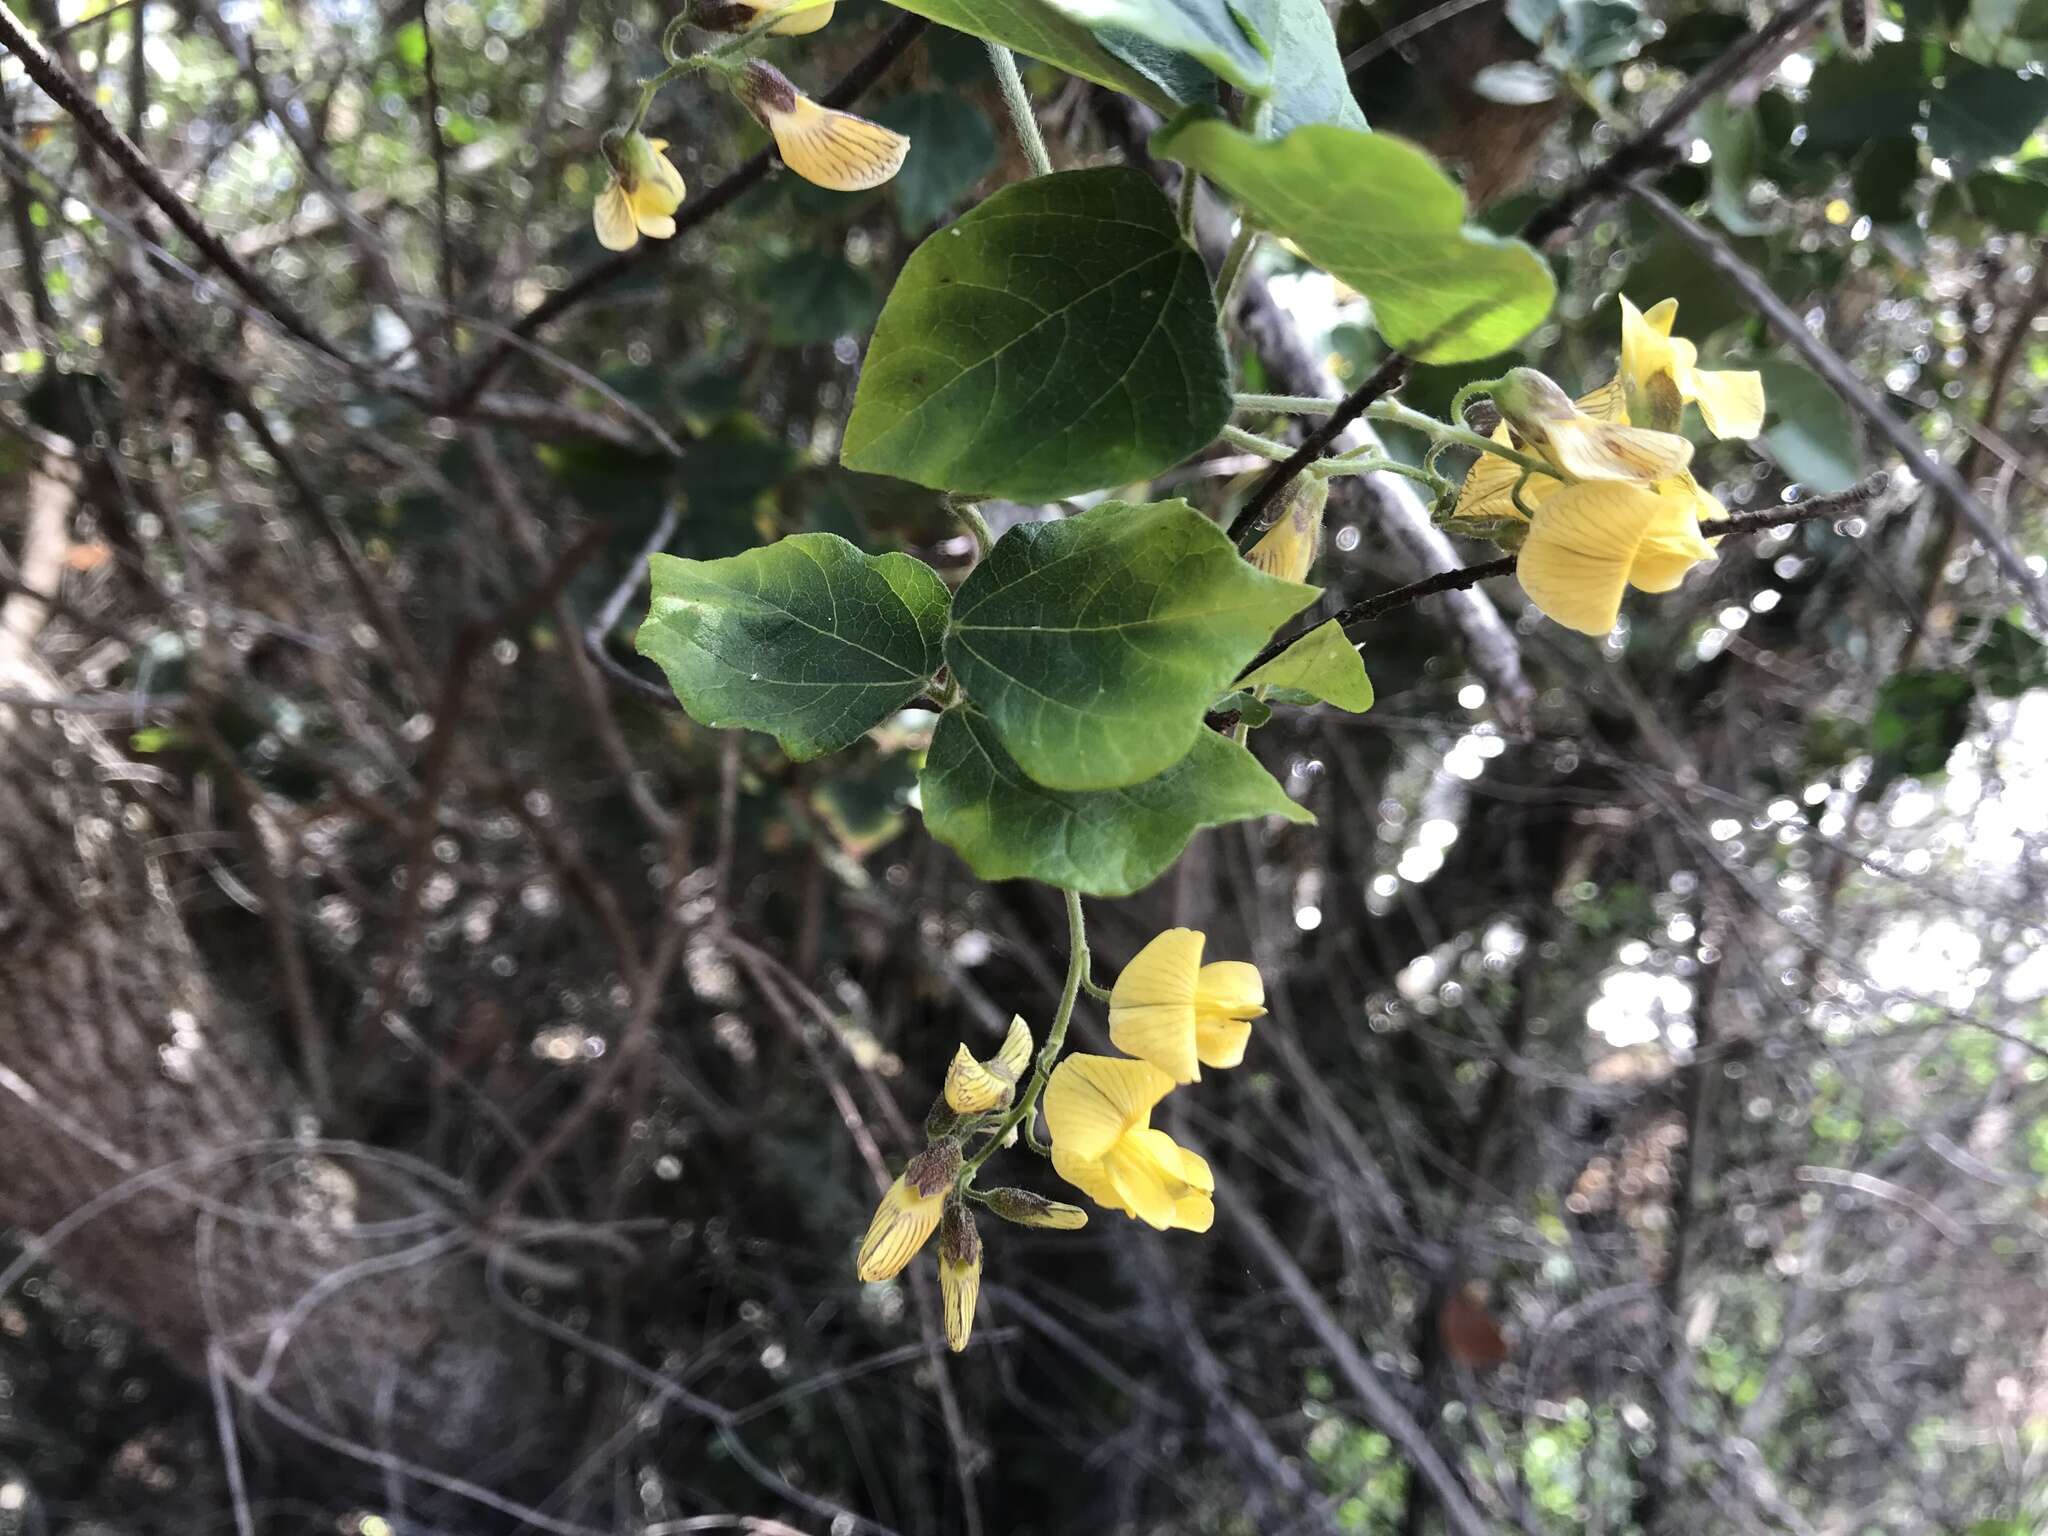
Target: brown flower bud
[(1029, 1210)]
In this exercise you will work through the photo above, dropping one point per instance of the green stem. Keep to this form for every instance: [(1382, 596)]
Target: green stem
[(1394, 411), (1235, 260), (1185, 208), (1004, 63), (971, 519), (1055, 1040), (1374, 463), (1251, 442)]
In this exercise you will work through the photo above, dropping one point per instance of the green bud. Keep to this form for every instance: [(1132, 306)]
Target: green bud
[(1029, 1210)]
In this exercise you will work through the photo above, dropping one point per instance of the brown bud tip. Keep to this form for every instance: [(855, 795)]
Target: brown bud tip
[(1029, 1210), (959, 1238), (723, 16), (934, 1169), (766, 90), (1526, 396)]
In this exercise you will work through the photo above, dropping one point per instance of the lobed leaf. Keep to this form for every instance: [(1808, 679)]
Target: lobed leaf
[(1093, 645), (808, 638)]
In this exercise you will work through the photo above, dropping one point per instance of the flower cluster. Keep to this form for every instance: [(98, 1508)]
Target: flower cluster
[(834, 149), (1172, 1015), (1617, 505)]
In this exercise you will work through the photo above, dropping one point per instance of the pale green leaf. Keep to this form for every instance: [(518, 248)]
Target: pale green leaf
[(1101, 843), (1230, 37), (1094, 644), (1377, 213), (1322, 664), (1061, 337), (807, 638), (1035, 28)]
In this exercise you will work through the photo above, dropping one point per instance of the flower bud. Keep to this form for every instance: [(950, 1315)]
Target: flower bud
[(1029, 1210), (825, 146), (909, 1212), (975, 1087), (1289, 546), (739, 15), (959, 1273), (1529, 401)]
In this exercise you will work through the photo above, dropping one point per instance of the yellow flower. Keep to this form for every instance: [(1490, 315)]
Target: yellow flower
[(1660, 376), (1099, 1111), (909, 1211), (1029, 1210), (642, 196), (740, 15), (1588, 543), (974, 1086), (833, 149), (959, 1273), (1581, 446), (1288, 548), (1173, 1011)]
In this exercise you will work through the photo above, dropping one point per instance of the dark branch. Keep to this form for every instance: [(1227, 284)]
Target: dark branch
[(1853, 391), (1383, 380), (1740, 525)]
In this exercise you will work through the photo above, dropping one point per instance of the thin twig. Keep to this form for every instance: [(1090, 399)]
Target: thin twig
[(1382, 381), (1739, 525), (1851, 389)]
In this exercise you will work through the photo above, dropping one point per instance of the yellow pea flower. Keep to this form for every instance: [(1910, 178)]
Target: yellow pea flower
[(1660, 375), (1288, 548), (1099, 1111), (1590, 542), (959, 1274), (833, 149), (1029, 1210), (739, 15), (909, 1211), (1175, 1012), (1582, 446), (974, 1086), (642, 196)]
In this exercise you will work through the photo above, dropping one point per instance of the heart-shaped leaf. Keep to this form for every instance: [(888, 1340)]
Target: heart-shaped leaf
[(1059, 338), (807, 638), (1101, 843), (1093, 645), (1376, 212), (1322, 665)]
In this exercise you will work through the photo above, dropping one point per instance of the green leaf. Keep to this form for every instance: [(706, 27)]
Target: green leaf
[(1736, 140), (815, 296), (951, 148), (1232, 39), (2010, 660), (1059, 338), (1852, 101), (1093, 645), (1310, 85), (807, 638), (1106, 843), (1035, 28), (2018, 204), (1885, 176), (1920, 717), (1814, 437), (1378, 214), (1980, 113), (1322, 664)]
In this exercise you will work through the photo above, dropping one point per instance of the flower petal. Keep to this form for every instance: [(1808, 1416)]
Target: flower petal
[(1140, 1186), (1671, 545), (1575, 563), (902, 1223), (613, 216), (1092, 1100), (1731, 401), (971, 1087), (1015, 1055), (1087, 1175), (1231, 989), (1221, 1042), (1152, 1005), (836, 149), (1588, 449)]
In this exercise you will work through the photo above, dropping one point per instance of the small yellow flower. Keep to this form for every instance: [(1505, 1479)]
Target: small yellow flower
[(1288, 548), (1660, 376), (1173, 1011), (1099, 1111), (1581, 446), (741, 15), (959, 1273), (834, 149), (909, 1211), (974, 1086), (642, 196), (1589, 543), (1029, 1210)]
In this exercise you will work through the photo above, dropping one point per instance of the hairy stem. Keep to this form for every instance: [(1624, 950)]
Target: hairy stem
[(1004, 63), (1055, 1040)]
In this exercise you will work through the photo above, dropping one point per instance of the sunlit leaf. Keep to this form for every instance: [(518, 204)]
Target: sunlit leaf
[(1323, 665)]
